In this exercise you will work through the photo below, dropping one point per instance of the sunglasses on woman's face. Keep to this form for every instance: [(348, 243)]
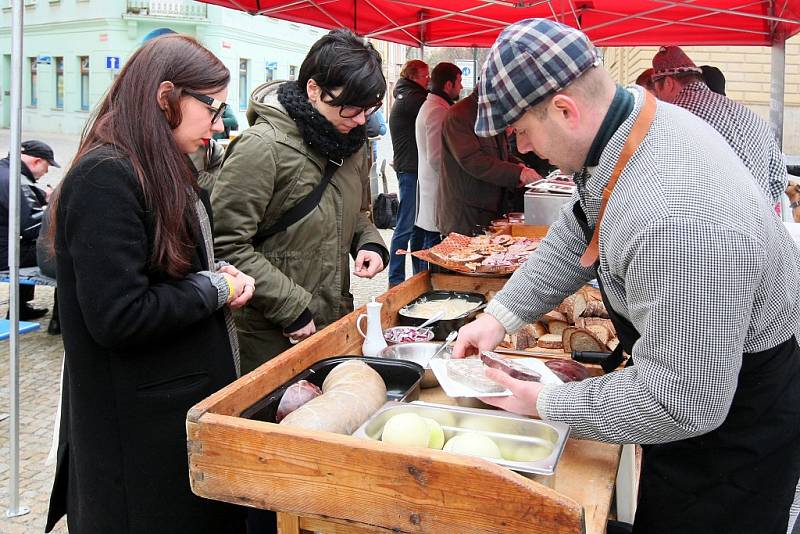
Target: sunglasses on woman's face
[(216, 107), (348, 112)]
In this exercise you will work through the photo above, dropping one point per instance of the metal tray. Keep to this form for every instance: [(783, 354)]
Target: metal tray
[(530, 445), (402, 380), (445, 326)]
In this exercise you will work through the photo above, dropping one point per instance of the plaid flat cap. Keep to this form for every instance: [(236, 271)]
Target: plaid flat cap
[(530, 60)]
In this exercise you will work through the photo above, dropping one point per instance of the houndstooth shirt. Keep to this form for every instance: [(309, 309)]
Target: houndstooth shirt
[(693, 255), (750, 136)]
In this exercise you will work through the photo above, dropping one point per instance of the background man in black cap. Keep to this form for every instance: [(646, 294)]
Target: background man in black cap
[(37, 157)]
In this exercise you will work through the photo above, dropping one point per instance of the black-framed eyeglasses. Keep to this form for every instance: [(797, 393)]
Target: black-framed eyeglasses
[(215, 105), (348, 112)]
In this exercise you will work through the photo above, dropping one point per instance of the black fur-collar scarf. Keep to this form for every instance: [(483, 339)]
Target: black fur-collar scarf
[(316, 130)]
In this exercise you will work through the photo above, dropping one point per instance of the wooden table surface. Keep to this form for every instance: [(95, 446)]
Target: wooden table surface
[(336, 484)]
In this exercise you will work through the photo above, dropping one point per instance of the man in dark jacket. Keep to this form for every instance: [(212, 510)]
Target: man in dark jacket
[(477, 175), (37, 157), (409, 93)]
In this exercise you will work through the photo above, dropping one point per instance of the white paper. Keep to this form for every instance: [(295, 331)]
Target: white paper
[(454, 389)]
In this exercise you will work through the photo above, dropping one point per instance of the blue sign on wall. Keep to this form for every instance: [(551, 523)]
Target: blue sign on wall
[(44, 60), (272, 65), (112, 62)]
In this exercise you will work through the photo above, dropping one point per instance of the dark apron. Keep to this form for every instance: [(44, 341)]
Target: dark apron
[(739, 478)]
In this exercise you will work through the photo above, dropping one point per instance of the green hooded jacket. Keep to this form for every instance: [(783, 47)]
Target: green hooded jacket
[(268, 169)]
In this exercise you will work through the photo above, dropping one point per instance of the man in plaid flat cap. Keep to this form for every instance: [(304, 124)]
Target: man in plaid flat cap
[(697, 273), (676, 79)]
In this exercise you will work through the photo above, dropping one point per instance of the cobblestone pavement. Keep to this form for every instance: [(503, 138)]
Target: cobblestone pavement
[(40, 358)]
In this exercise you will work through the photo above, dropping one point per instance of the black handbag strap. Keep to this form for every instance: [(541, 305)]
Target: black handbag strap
[(302, 208)]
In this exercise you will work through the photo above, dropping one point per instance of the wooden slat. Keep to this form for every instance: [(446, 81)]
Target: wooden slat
[(368, 483), (456, 282), (288, 524), (331, 526)]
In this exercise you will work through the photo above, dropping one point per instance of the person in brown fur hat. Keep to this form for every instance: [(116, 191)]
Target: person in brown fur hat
[(676, 79)]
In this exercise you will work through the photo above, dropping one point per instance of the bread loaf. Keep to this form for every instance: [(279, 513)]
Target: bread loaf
[(350, 394), (565, 338), (556, 327), (551, 316), (599, 320), (595, 308), (550, 341), (600, 331), (525, 337), (573, 306), (584, 340), (539, 329)]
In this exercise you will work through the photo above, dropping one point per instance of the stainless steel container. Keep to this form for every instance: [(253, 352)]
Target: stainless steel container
[(529, 446), (419, 353), (541, 209)]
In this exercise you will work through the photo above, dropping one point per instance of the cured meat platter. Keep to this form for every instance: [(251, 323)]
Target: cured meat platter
[(499, 254)]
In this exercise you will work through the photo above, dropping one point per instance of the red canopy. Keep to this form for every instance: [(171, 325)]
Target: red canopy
[(606, 22)]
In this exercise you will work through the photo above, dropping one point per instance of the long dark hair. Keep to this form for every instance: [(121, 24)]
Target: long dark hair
[(130, 119), (342, 59)]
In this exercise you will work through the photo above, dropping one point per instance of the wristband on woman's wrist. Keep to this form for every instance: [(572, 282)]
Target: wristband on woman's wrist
[(231, 289)]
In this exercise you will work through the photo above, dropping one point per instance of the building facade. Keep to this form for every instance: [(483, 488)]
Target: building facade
[(73, 49), (747, 71)]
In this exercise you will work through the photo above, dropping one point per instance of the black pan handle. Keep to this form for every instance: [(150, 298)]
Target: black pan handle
[(588, 356)]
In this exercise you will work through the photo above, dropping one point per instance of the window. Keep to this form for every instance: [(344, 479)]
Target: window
[(34, 82), (270, 76), (292, 72), (243, 95), (84, 82), (59, 82)]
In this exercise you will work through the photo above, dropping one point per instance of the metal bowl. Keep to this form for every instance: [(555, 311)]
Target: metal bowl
[(419, 353), (443, 327)]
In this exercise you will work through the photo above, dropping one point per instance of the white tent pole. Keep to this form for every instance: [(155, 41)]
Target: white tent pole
[(777, 85), (14, 508), (776, 96)]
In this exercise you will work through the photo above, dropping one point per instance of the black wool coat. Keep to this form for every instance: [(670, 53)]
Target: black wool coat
[(141, 349), (409, 97)]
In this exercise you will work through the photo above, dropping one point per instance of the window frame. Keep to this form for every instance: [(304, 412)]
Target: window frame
[(84, 78), (58, 70), (244, 71)]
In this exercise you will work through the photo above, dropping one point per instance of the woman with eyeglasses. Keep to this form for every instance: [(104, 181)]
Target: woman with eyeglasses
[(305, 137), (144, 304)]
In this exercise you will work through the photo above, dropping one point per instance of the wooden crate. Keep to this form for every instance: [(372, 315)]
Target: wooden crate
[(330, 483)]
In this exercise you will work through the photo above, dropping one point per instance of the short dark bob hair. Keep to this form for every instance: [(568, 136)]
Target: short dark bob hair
[(342, 59), (443, 73)]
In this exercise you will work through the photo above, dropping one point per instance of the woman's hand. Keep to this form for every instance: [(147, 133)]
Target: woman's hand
[(368, 264), (244, 285), (301, 334)]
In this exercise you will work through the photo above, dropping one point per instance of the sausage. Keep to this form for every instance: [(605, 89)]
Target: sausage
[(350, 394), (295, 396)]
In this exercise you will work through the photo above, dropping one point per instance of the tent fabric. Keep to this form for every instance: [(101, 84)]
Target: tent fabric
[(465, 23)]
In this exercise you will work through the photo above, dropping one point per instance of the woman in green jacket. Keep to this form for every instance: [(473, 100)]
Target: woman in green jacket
[(297, 130)]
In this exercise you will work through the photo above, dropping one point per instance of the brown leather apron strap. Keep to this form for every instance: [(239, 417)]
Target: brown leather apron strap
[(639, 130)]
